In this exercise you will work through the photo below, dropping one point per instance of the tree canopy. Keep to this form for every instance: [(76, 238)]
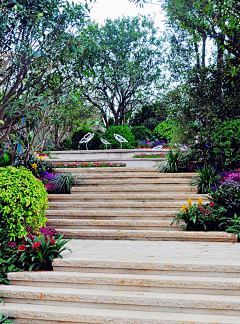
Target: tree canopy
[(128, 67)]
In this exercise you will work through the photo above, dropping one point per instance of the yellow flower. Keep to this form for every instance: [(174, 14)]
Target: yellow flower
[(190, 203), (199, 201), (34, 165), (184, 208), (37, 157), (40, 157)]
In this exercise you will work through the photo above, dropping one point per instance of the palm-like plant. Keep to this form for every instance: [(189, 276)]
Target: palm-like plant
[(206, 179), (63, 183)]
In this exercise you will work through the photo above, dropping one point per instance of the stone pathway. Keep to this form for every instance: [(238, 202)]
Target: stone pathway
[(166, 276)]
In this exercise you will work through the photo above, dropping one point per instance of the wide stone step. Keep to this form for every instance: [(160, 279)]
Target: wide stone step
[(45, 314), (184, 267), (124, 171), (125, 196), (110, 214), (137, 188), (124, 299), (119, 204), (112, 224), (130, 181), (110, 281), (155, 235)]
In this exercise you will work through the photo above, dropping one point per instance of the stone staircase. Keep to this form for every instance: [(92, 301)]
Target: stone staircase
[(121, 271)]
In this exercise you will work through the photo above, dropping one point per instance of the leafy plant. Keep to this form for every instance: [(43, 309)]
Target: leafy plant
[(206, 179), (199, 217), (231, 224), (4, 320), (23, 201), (141, 133), (38, 254), (172, 164), (6, 159), (63, 183)]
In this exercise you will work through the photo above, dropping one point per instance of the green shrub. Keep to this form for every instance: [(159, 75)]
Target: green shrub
[(206, 179), (141, 133), (123, 131), (66, 144), (23, 201), (94, 144), (6, 159), (226, 142)]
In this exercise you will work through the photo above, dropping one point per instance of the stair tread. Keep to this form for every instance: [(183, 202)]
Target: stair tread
[(61, 276), (74, 293), (93, 316)]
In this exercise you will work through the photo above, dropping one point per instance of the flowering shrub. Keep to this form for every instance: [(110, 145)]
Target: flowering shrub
[(200, 217), (227, 195), (88, 165), (39, 252), (34, 163)]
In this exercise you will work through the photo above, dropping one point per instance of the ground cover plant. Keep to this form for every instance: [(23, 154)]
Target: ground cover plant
[(141, 156), (89, 165)]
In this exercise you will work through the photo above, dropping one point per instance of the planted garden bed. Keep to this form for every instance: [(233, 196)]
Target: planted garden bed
[(89, 165)]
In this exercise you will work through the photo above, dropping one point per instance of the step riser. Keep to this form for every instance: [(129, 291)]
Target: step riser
[(142, 304), (149, 272), (154, 190), (120, 204), (124, 197), (125, 182), (51, 218), (162, 228), (162, 287)]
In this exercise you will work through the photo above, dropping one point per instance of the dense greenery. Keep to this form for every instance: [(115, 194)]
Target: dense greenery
[(123, 131), (127, 68), (23, 201)]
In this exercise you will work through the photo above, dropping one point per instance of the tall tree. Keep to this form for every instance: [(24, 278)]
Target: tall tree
[(39, 42), (128, 68)]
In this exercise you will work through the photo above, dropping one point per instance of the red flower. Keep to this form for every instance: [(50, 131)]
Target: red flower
[(36, 245), (202, 208), (22, 247), (211, 204), (52, 241)]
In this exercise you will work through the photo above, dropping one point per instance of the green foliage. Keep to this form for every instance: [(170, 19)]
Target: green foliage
[(23, 201), (172, 164), (226, 142), (63, 183), (94, 144), (123, 131), (40, 71), (231, 225), (38, 254), (150, 115), (169, 130), (207, 178), (128, 66), (6, 159), (66, 144), (228, 196), (4, 320), (141, 133), (8, 256)]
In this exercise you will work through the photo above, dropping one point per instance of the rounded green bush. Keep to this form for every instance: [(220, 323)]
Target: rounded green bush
[(23, 201), (94, 144), (123, 131)]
